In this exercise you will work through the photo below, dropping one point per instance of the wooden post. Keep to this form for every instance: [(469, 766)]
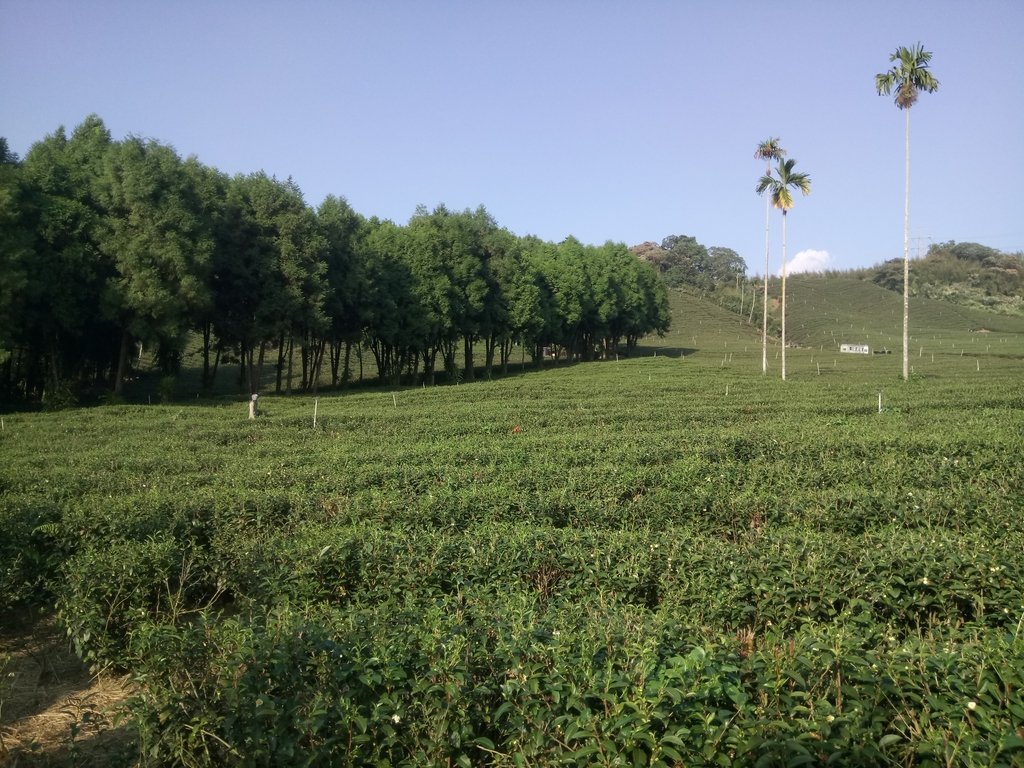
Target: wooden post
[(253, 406)]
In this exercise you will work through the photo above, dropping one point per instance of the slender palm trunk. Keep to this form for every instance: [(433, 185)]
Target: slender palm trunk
[(764, 321), (906, 257), (784, 217)]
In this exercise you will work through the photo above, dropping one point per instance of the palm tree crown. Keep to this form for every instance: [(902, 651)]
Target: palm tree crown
[(769, 150), (908, 76), (780, 188)]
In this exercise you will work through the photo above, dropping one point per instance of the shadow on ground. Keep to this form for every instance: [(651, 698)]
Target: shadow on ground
[(53, 712)]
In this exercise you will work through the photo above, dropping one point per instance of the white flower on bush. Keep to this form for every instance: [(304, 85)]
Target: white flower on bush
[(396, 719), (972, 705)]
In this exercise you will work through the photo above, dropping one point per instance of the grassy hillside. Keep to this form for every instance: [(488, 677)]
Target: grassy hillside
[(825, 311)]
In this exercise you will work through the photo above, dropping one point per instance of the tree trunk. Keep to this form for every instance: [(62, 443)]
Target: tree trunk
[(259, 365), (490, 345), (122, 363), (764, 321), (291, 356), (506, 353), (335, 360), (52, 371), (448, 355), (318, 357), (468, 349), (906, 257), (280, 362), (784, 294), (207, 336), (216, 363), (253, 369), (413, 367), (429, 363), (305, 355)]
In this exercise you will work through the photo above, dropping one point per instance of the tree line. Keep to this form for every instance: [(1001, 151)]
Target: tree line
[(109, 247)]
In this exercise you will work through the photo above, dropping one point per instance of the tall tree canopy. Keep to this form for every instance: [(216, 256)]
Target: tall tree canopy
[(109, 248)]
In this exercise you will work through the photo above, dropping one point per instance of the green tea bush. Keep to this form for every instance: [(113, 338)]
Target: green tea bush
[(31, 552), (652, 562), (475, 682), (110, 590)]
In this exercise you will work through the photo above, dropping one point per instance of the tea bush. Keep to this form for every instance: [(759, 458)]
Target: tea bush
[(659, 561)]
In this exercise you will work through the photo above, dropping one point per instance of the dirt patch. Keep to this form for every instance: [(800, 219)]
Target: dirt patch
[(52, 711)]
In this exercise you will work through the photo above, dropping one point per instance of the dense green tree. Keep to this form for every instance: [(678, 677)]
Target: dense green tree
[(210, 188), (344, 232), (428, 257), (544, 327), (465, 235), (653, 316), (270, 286), (780, 190), (160, 243), (17, 250), (241, 281), (574, 298), (640, 300), (66, 318), (109, 248), (724, 266), (908, 76), (394, 316), (684, 262), (525, 300)]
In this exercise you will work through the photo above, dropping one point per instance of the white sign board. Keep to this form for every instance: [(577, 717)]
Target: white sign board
[(856, 349)]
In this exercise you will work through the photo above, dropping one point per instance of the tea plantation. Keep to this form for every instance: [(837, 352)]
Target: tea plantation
[(666, 560)]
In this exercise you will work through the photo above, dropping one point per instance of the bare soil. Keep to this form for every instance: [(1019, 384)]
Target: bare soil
[(53, 712)]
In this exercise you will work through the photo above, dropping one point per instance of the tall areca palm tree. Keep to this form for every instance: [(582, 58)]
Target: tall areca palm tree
[(780, 193), (907, 78), (768, 150)]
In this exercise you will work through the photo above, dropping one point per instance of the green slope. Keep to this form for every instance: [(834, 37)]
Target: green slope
[(701, 326), (826, 306), (826, 311)]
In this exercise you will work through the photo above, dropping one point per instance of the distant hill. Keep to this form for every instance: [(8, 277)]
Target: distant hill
[(967, 274)]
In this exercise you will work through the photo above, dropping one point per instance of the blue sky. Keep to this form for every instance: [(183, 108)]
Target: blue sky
[(624, 121)]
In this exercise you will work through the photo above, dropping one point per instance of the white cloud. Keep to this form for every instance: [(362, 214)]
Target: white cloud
[(808, 261)]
